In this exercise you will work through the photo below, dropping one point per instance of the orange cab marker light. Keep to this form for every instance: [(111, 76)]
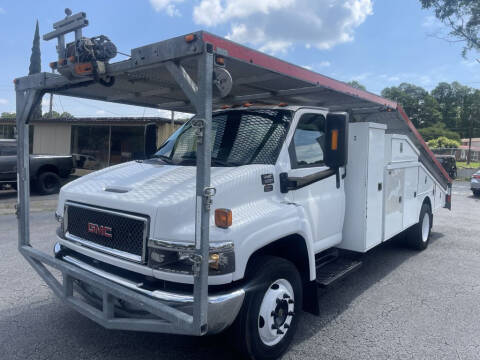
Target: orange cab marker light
[(334, 145), (189, 38), (223, 218), (220, 60), (283, 104), (225, 107), (247, 104), (15, 81)]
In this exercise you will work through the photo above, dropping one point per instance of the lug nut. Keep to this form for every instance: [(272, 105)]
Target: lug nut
[(286, 296), (290, 301)]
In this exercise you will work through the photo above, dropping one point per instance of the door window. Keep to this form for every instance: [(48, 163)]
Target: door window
[(306, 149)]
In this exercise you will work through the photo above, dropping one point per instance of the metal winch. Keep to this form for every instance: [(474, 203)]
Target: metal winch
[(84, 56)]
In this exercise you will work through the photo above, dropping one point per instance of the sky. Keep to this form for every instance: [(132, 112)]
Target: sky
[(379, 43)]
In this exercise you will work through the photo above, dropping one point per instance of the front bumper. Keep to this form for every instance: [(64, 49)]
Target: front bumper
[(116, 302)]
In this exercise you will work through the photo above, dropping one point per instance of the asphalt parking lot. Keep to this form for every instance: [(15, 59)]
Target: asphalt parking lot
[(400, 305)]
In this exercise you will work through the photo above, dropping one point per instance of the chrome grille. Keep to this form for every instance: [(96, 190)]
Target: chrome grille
[(120, 234)]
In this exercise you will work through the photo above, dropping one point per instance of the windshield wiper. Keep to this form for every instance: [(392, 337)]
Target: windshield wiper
[(165, 159)]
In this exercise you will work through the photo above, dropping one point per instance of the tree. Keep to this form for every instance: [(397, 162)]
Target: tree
[(36, 67), (8, 115), (436, 130), (57, 115), (355, 84), (419, 105), (443, 143), (446, 96), (462, 17)]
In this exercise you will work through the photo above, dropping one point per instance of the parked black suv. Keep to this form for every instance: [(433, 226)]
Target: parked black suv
[(46, 171), (449, 164)]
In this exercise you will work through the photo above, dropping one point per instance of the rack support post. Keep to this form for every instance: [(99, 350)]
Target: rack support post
[(25, 102), (202, 216)]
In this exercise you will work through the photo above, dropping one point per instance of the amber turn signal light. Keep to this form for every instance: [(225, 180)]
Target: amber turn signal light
[(223, 218), (334, 140)]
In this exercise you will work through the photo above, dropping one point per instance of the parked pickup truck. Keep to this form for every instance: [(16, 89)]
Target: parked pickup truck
[(46, 171), (284, 220)]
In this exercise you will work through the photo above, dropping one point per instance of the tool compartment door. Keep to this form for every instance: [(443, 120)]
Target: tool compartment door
[(410, 204), (394, 197)]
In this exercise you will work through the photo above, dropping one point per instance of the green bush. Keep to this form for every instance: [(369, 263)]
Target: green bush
[(443, 142)]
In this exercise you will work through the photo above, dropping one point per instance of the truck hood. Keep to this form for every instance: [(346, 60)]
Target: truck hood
[(166, 193)]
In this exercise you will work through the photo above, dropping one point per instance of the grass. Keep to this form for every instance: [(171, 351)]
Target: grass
[(472, 165)]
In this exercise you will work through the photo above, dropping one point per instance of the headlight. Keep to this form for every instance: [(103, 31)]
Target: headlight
[(179, 257)]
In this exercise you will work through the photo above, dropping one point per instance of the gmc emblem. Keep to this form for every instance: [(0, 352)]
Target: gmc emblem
[(101, 230)]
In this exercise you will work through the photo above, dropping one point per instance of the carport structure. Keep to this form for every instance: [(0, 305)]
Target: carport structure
[(190, 74)]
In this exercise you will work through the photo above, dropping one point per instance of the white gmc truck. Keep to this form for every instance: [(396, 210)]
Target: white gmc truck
[(281, 219), (240, 215)]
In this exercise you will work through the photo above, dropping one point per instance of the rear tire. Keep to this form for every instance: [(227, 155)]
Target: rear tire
[(419, 234), (48, 183), (476, 193), (267, 322)]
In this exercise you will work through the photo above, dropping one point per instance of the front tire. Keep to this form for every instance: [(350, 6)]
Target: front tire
[(268, 319), (419, 234), (476, 193)]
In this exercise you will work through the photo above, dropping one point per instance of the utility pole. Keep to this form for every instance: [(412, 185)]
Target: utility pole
[(470, 139), (50, 108)]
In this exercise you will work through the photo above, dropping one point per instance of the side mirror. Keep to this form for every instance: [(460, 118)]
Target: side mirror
[(336, 144), (150, 140)]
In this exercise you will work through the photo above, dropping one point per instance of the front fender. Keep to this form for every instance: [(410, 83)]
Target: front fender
[(284, 221)]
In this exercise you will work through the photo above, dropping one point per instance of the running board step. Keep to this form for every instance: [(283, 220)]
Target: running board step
[(336, 270)]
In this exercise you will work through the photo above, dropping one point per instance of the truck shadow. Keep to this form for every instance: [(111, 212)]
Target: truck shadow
[(377, 264), (51, 329)]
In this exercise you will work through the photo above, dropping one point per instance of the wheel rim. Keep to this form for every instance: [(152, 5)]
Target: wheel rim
[(276, 312), (425, 227)]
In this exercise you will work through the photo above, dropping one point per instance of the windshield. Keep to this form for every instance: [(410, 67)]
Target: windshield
[(238, 138)]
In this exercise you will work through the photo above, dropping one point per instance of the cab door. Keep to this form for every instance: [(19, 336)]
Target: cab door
[(322, 201)]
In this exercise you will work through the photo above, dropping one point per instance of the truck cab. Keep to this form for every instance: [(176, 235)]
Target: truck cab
[(252, 147)]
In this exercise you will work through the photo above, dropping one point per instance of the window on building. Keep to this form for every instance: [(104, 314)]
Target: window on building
[(127, 143), (90, 146), (7, 131)]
